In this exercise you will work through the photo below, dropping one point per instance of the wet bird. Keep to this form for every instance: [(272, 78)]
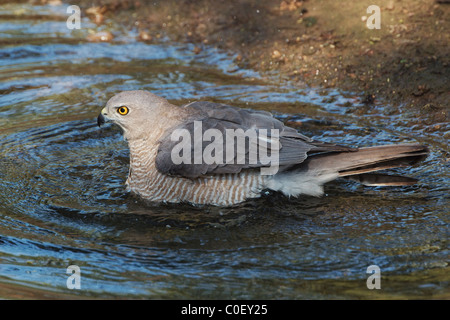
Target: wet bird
[(211, 153)]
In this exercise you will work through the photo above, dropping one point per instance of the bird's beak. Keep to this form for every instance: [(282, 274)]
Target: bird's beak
[(101, 119)]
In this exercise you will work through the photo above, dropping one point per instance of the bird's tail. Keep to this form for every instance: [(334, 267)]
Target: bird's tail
[(355, 165), (358, 165)]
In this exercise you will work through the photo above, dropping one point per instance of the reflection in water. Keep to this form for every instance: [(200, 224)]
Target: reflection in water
[(63, 200)]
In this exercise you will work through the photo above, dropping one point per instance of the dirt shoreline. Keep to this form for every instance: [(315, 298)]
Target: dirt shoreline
[(322, 43)]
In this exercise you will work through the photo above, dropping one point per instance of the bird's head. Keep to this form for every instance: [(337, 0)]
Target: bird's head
[(136, 112)]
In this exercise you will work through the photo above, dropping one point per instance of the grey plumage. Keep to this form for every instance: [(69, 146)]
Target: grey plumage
[(295, 146), (304, 165)]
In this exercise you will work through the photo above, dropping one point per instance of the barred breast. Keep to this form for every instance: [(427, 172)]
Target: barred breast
[(221, 189)]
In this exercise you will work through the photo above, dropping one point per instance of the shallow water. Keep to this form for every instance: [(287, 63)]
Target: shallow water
[(63, 201)]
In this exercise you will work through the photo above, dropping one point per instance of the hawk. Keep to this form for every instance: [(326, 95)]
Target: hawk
[(216, 154)]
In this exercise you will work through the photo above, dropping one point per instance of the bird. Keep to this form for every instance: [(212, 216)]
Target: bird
[(208, 153)]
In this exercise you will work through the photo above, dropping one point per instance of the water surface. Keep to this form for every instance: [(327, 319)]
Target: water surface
[(63, 200)]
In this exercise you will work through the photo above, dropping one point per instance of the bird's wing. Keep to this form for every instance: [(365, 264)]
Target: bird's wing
[(198, 142)]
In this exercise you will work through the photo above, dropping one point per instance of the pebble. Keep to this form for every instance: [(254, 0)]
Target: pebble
[(144, 36), (97, 13), (276, 54), (390, 5), (103, 36), (197, 50)]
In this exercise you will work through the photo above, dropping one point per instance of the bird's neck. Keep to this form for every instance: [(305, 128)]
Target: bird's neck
[(143, 152), (142, 163)]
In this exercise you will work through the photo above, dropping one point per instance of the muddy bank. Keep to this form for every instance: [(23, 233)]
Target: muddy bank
[(321, 43)]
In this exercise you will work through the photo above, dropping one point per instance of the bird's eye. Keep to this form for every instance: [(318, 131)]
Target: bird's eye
[(122, 110)]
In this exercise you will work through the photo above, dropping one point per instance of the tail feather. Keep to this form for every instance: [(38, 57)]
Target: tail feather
[(378, 179), (318, 169), (358, 164)]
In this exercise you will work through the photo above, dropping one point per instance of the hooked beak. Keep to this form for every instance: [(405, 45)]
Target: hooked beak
[(100, 120)]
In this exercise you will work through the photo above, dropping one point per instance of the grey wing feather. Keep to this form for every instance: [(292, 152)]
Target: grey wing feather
[(293, 146)]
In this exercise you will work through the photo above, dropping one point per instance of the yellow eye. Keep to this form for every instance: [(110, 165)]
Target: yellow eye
[(122, 110)]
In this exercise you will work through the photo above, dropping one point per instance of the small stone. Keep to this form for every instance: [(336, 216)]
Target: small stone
[(309, 50), (276, 54), (390, 5), (99, 18), (144, 36), (54, 2), (103, 36), (197, 50)]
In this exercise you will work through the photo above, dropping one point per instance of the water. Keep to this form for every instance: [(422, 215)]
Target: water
[(63, 201)]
